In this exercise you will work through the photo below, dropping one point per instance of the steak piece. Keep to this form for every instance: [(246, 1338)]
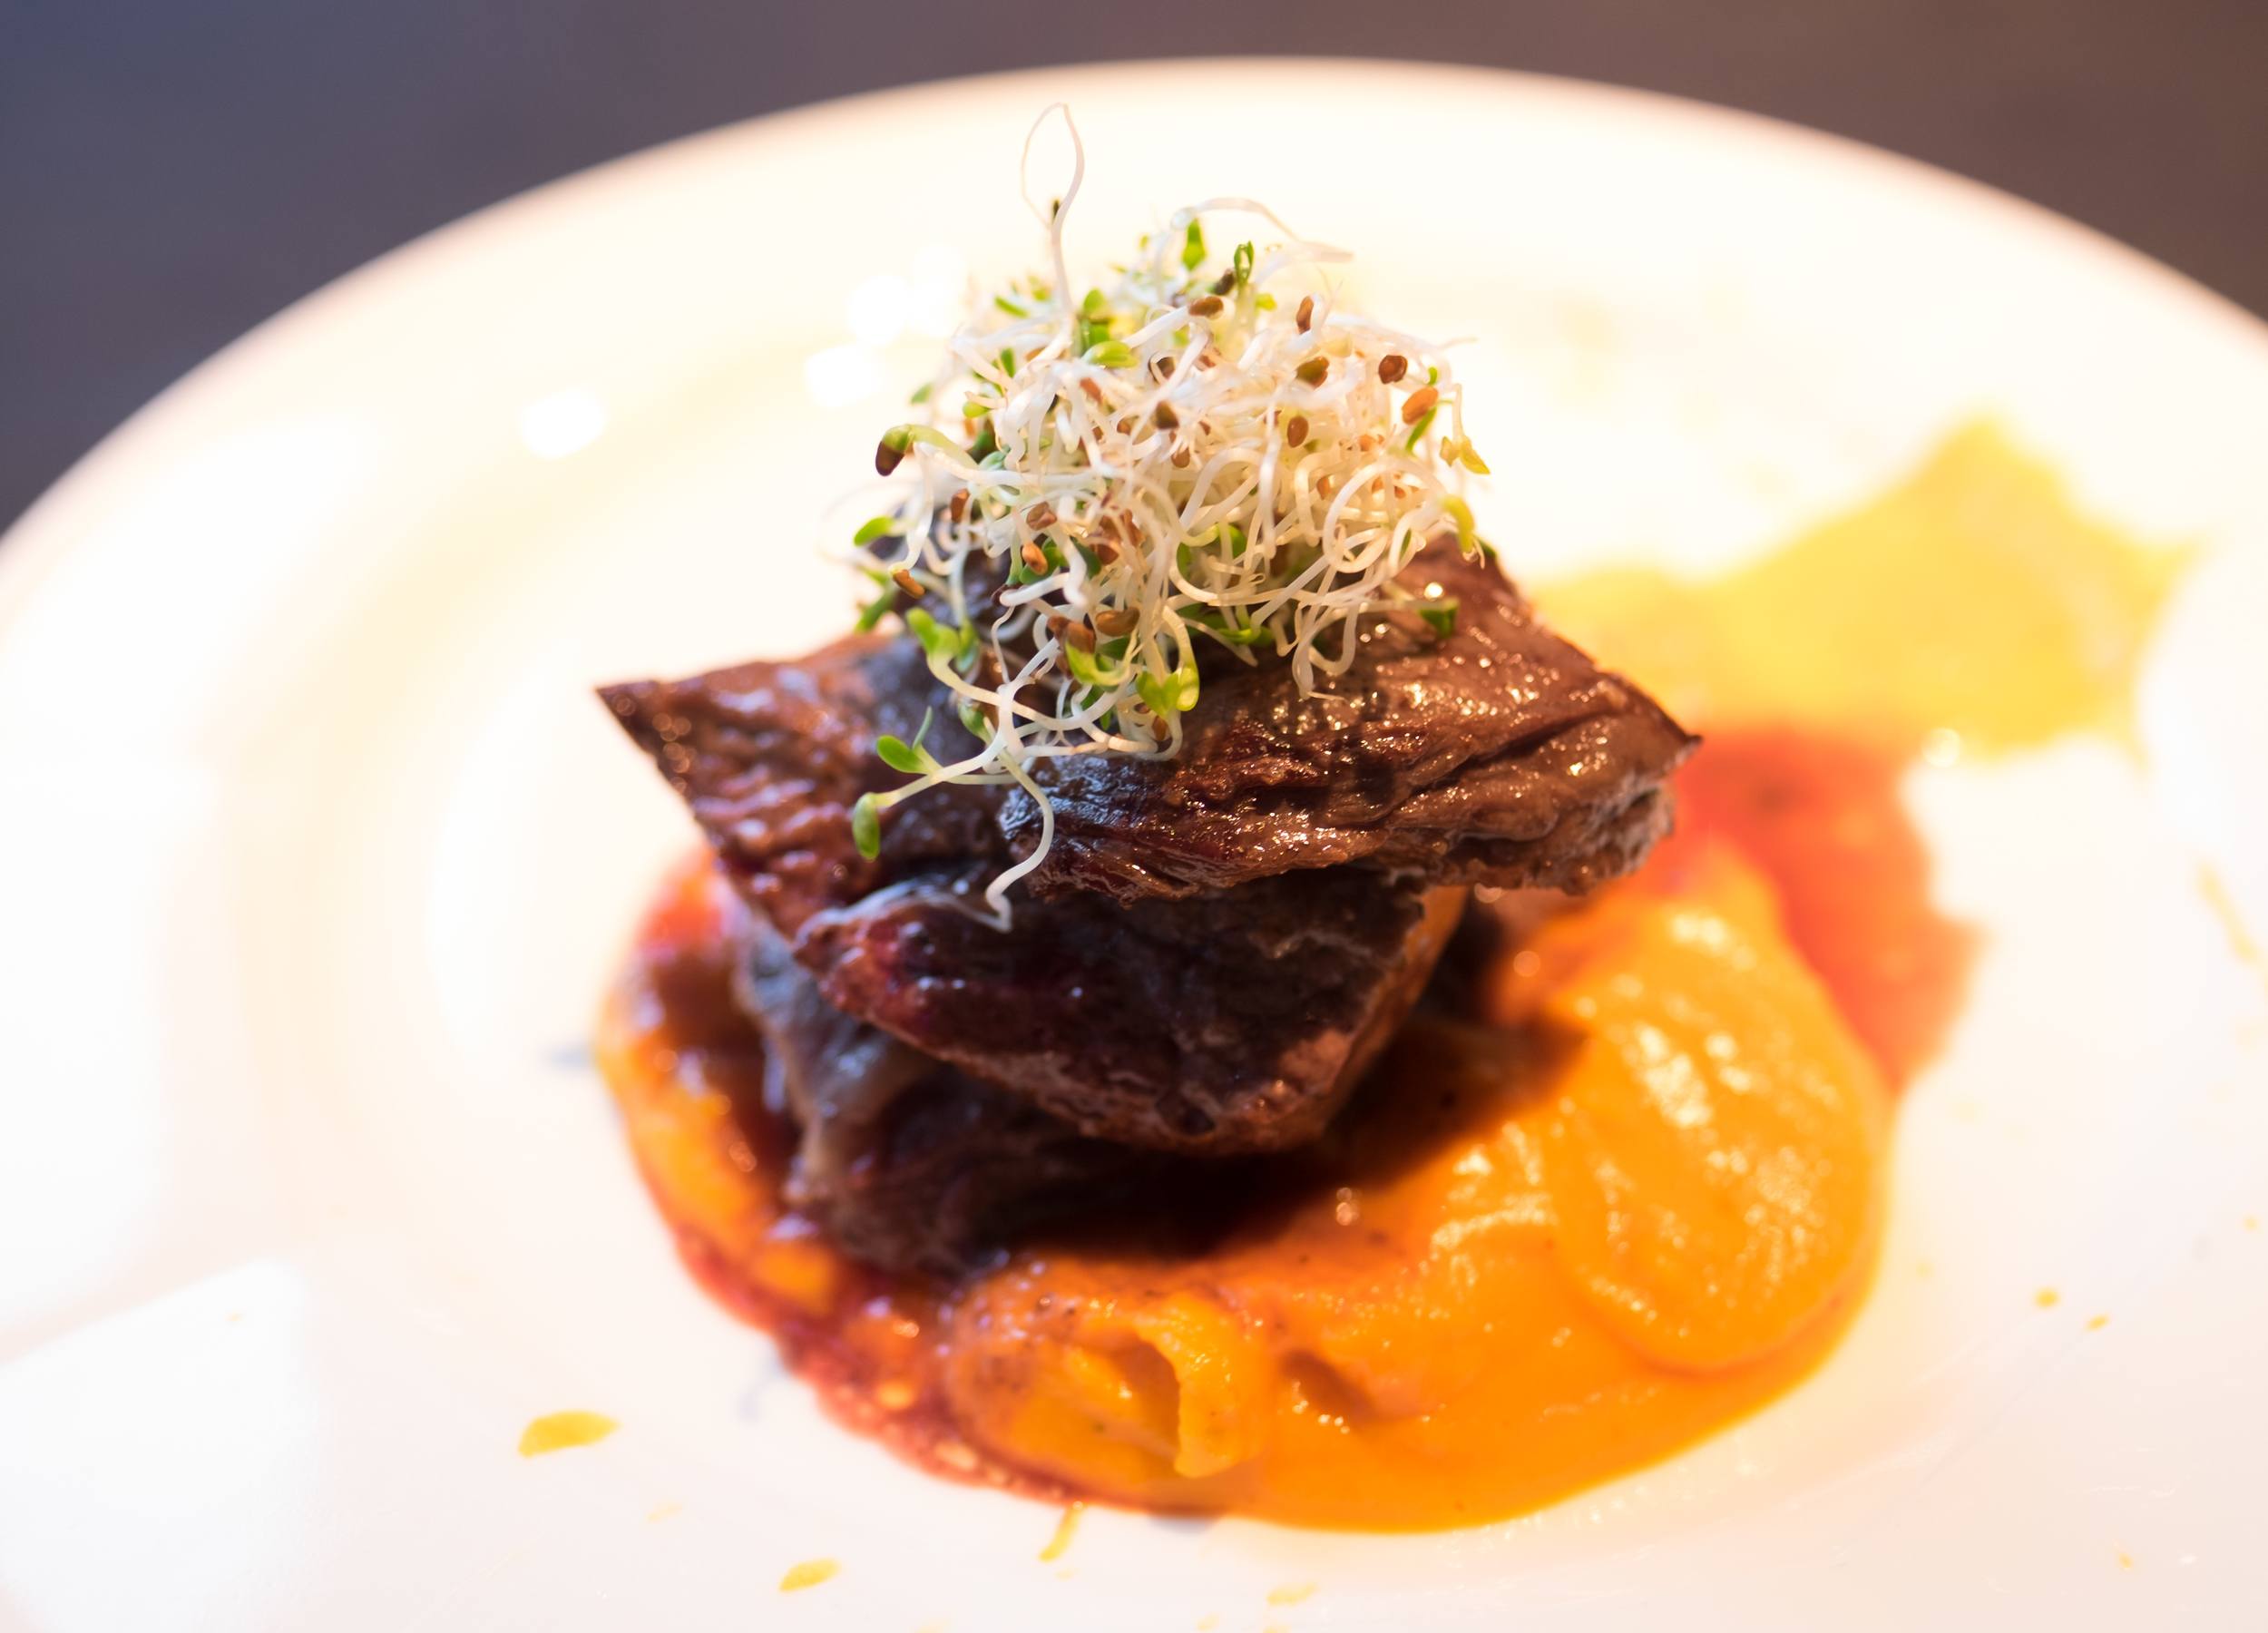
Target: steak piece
[(908, 1163), (1236, 1022), (771, 756), (1233, 1022), (1500, 755)]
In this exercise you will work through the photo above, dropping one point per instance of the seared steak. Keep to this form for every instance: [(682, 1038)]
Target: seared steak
[(771, 756), (1233, 1021), (1500, 755), (909, 1163)]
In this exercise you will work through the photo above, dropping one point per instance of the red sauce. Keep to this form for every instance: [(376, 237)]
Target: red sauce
[(1820, 816)]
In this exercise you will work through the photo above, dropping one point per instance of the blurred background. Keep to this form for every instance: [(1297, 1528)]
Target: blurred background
[(171, 171)]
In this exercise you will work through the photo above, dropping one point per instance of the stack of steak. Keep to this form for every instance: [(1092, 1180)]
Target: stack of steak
[(1215, 945)]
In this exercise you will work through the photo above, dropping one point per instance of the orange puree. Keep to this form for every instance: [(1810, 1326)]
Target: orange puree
[(1628, 1211), (1624, 1190)]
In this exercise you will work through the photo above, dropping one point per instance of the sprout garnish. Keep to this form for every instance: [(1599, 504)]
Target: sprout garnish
[(1169, 458)]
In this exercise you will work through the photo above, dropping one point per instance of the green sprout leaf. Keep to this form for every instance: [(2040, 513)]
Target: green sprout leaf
[(909, 758), (936, 639), (1242, 263), (1110, 353), (1184, 680), (898, 439), (1094, 305), (921, 393), (1193, 248), (1010, 306), (1229, 630), (876, 527), (1462, 513), (972, 718), (900, 755), (1171, 694), (876, 610), (1441, 615), (1088, 669), (866, 827), (1418, 431)]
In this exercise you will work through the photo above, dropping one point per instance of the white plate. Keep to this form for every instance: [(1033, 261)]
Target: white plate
[(318, 855)]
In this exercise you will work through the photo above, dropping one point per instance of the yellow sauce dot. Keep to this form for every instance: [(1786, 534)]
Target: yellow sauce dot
[(2240, 940), (558, 1431), (1292, 1595), (2047, 1298), (661, 1511), (1059, 1543), (2098, 1324), (2125, 1560), (809, 1574)]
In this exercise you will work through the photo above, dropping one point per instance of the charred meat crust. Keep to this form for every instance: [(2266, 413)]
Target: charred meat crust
[(909, 1163), (1235, 1021), (1501, 754), (771, 756)]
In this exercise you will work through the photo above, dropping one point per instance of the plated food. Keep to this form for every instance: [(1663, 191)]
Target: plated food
[(330, 1210), (1194, 1002)]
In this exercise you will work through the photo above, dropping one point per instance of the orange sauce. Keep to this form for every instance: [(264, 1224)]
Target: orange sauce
[(1629, 1190), (1627, 1206)]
